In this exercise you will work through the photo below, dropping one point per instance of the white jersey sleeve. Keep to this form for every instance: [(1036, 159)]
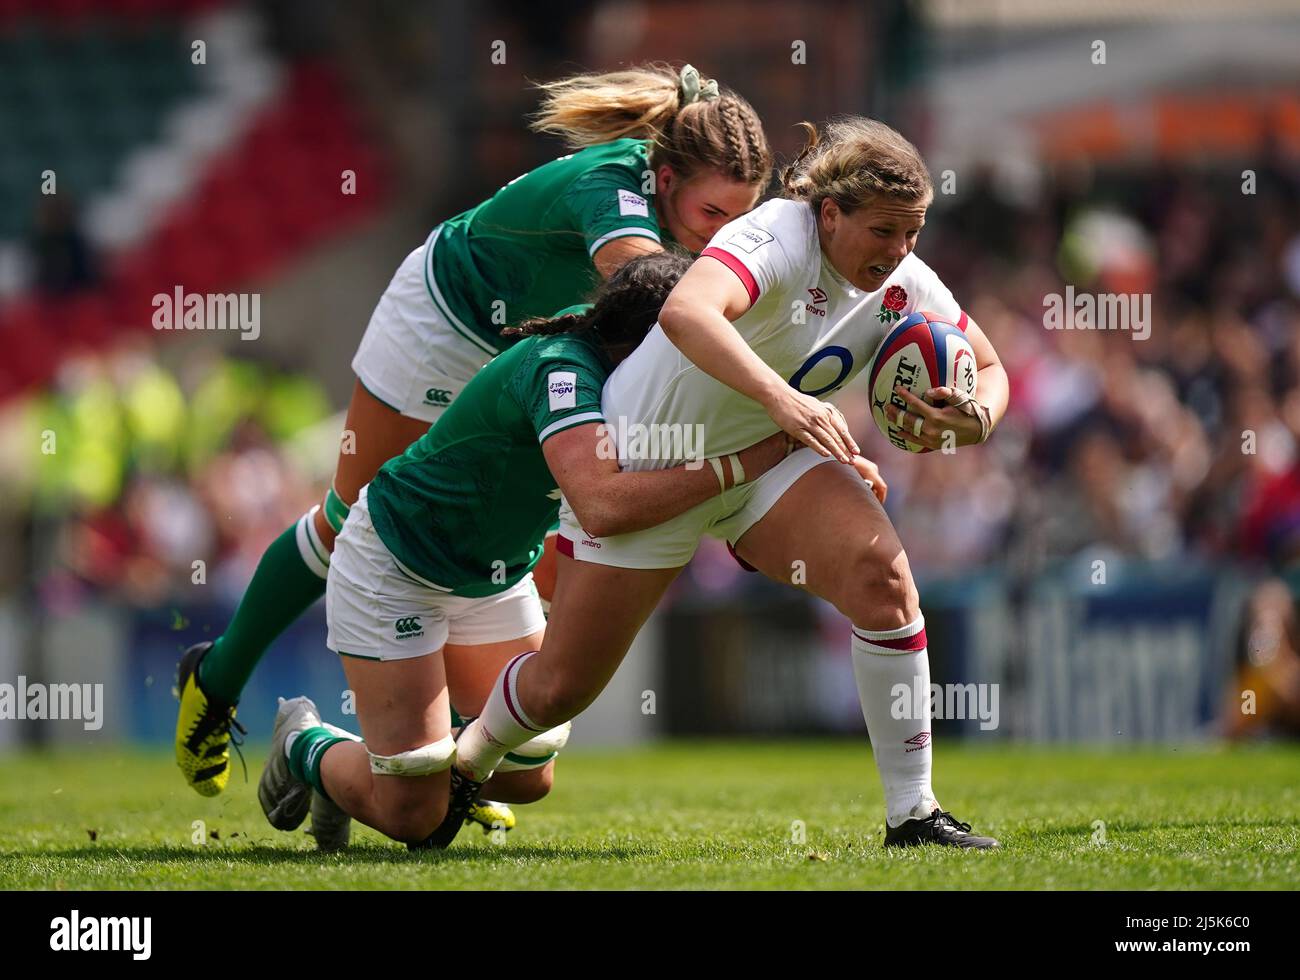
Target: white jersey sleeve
[(926, 292), (767, 247)]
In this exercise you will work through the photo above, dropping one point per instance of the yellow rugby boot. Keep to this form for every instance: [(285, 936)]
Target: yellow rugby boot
[(203, 727), (491, 816)]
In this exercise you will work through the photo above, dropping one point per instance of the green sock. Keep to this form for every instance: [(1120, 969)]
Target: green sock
[(307, 752), (282, 588)]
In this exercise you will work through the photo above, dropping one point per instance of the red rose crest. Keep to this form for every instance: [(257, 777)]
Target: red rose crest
[(892, 306)]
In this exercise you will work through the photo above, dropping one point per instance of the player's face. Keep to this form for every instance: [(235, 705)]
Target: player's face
[(694, 209), (866, 245)]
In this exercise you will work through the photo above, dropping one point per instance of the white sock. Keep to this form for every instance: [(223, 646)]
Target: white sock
[(500, 727), (890, 667)]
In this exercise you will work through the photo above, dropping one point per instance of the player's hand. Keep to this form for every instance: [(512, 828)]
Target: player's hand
[(815, 423), (925, 424), (870, 472), (762, 456)]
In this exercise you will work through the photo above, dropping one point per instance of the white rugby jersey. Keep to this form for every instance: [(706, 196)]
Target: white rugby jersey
[(808, 323)]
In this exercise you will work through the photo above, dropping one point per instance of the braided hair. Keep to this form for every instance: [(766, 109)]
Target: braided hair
[(624, 307), (722, 133)]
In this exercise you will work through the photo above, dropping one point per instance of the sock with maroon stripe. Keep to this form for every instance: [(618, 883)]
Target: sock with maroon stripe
[(500, 727), (891, 666)]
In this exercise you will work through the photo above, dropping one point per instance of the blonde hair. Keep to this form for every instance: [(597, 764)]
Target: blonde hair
[(856, 160), (722, 133)]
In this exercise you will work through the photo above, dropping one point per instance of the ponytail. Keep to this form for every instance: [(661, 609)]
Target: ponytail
[(692, 123)]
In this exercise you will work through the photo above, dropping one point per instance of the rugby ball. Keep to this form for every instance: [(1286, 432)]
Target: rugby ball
[(923, 351)]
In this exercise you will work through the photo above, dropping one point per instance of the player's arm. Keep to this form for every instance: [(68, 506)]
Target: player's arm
[(612, 256), (617, 221), (697, 319), (992, 393), (609, 501), (993, 387)]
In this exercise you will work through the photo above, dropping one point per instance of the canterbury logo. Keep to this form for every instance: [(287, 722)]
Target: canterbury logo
[(437, 396), (409, 625)]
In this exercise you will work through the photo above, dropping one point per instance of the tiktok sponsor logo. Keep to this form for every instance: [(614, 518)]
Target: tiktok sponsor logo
[(562, 389), (73, 933), (749, 239)]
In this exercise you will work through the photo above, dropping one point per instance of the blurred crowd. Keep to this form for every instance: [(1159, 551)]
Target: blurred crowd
[(152, 473)]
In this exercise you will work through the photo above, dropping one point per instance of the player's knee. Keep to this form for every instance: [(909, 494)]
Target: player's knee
[(533, 785), (540, 782), (413, 813), (557, 701), (528, 769), (880, 592), (412, 789)]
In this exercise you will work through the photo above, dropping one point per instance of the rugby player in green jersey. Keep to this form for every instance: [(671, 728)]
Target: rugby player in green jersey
[(430, 592), (659, 155)]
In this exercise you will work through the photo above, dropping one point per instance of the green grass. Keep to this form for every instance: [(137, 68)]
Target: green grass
[(694, 815)]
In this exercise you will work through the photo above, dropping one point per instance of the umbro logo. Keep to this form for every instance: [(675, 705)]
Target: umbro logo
[(408, 628), (818, 299), (920, 740)]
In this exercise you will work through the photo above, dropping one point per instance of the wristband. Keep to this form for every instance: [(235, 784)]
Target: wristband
[(737, 471), (717, 469)]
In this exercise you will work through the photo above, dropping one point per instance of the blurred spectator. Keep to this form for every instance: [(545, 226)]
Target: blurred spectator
[(152, 472), (62, 254)]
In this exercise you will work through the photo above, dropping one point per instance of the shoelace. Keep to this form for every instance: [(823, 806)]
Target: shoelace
[(216, 717), (238, 745), (943, 816)]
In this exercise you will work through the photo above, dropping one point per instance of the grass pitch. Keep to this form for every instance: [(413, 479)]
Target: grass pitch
[(787, 815)]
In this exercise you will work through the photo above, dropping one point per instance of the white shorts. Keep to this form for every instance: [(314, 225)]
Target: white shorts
[(376, 611), (672, 543), (415, 356)]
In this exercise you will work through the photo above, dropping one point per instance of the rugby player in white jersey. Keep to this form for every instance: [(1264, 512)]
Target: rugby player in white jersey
[(784, 308)]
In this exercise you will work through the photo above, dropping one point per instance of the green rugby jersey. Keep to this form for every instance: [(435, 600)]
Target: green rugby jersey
[(465, 508), (529, 245)]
